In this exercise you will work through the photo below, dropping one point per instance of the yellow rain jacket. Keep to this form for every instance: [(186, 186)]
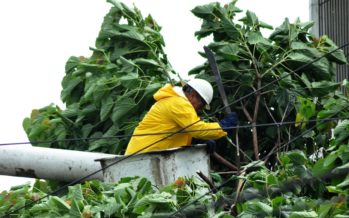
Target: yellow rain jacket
[(172, 112)]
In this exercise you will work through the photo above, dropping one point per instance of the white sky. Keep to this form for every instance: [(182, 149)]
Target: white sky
[(38, 36)]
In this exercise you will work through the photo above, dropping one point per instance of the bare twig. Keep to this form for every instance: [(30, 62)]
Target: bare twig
[(227, 172), (237, 147), (278, 128), (268, 110), (247, 114), (240, 150), (208, 181), (240, 187), (224, 161)]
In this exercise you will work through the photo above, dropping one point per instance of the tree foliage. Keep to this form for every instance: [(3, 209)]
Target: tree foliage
[(130, 197), (286, 72), (296, 166), (108, 93)]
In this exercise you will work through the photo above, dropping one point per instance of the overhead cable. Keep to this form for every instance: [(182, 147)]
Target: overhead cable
[(139, 151)]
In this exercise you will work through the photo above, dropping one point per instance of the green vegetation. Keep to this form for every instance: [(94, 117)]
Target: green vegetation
[(291, 170), (130, 197), (108, 93)]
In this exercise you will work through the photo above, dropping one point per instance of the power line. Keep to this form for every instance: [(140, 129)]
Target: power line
[(282, 77), (219, 109), (284, 123), (273, 151), (222, 185), (197, 199), (179, 131), (91, 174)]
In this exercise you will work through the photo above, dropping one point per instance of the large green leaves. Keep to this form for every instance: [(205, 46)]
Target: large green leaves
[(130, 197), (108, 93), (122, 107), (291, 77)]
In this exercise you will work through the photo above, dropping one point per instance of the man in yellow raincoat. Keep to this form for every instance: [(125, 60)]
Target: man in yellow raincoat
[(175, 109)]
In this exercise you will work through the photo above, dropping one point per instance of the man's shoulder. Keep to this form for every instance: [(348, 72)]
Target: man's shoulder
[(174, 102), (179, 99)]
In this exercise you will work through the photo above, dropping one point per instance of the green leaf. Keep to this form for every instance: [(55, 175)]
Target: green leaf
[(272, 180), (258, 207), (75, 192), (71, 64), (278, 33), (324, 210), (324, 87), (330, 159), (305, 111), (150, 62), (320, 168), (306, 81), (204, 11), (335, 189), (341, 132), (69, 84), (256, 38), (344, 183), (111, 207), (41, 208), (152, 202), (342, 168), (338, 56), (319, 69), (151, 88), (303, 214), (89, 90), (122, 106), (251, 18), (59, 204), (127, 65), (300, 46), (306, 25), (106, 108), (75, 210), (230, 51), (142, 186), (130, 81), (95, 144), (278, 201), (265, 25), (89, 67), (296, 157)]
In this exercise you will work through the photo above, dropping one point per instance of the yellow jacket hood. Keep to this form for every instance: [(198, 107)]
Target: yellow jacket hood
[(168, 91)]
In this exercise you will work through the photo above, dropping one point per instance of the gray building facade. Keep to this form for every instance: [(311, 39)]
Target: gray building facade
[(332, 18)]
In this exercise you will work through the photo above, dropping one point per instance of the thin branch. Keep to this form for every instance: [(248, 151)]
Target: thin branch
[(247, 114), (240, 150), (271, 115), (208, 181)]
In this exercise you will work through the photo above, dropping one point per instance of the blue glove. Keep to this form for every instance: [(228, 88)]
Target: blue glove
[(211, 146), (229, 121)]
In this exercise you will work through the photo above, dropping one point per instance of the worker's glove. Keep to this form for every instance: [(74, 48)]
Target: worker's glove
[(229, 121), (211, 146)]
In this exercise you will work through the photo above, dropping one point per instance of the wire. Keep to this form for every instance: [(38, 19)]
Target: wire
[(257, 162), (91, 174), (282, 77), (244, 170), (211, 114), (197, 199), (179, 131)]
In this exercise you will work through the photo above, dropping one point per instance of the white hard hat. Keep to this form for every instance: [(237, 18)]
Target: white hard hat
[(203, 88)]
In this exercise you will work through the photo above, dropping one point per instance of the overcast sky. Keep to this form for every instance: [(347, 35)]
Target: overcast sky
[(38, 36)]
